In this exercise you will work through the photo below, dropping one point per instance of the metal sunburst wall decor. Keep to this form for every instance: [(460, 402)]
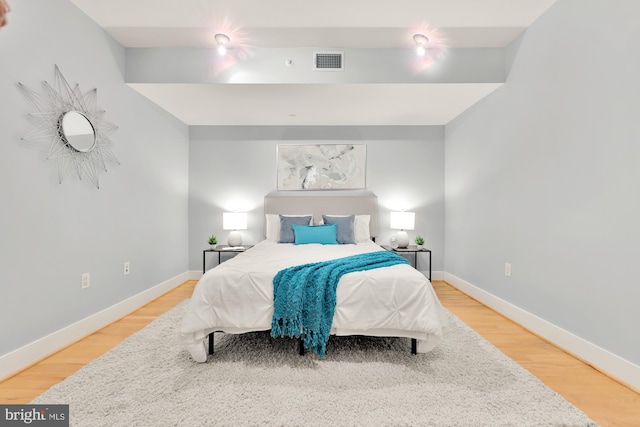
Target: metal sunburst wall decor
[(70, 129)]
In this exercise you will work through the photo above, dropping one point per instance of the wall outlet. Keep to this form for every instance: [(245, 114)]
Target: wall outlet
[(126, 268), (507, 269), (86, 281)]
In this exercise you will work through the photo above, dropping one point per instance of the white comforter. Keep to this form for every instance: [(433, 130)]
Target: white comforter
[(237, 297)]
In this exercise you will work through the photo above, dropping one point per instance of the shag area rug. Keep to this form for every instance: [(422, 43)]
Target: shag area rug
[(253, 379)]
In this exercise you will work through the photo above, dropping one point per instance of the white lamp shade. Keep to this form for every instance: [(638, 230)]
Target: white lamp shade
[(234, 220), (403, 220)]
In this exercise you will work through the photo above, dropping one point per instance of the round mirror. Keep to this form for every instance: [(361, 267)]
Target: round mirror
[(77, 131)]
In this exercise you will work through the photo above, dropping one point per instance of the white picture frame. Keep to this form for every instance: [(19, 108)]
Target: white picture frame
[(321, 166)]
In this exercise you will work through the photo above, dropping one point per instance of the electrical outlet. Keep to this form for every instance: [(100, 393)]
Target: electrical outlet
[(86, 282), (126, 268), (507, 269)]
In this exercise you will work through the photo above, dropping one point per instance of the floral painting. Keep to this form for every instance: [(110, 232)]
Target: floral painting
[(321, 167)]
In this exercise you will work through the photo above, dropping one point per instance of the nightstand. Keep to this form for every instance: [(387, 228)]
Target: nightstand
[(412, 249), (220, 249)]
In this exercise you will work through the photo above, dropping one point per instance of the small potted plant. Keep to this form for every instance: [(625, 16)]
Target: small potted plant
[(212, 241), (419, 241)]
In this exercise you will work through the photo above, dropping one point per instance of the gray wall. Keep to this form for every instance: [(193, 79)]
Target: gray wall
[(233, 168), (53, 233), (194, 65), (544, 174)]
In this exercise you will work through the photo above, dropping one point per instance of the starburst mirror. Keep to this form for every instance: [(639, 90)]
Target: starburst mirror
[(70, 129)]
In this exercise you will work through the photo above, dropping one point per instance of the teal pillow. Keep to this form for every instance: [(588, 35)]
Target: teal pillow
[(286, 223), (345, 232), (323, 234)]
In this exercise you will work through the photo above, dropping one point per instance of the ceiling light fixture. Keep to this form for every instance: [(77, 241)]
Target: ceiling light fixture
[(222, 40), (421, 43)]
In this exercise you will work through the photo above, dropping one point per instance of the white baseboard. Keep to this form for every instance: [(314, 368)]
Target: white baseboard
[(601, 359), (194, 275), (437, 275), (22, 357)]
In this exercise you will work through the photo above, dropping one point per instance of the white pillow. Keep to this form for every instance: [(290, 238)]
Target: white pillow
[(360, 227), (273, 226)]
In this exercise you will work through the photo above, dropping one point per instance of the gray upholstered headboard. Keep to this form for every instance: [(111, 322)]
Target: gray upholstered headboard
[(339, 204)]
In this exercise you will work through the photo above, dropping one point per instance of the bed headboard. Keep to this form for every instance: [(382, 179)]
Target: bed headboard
[(341, 204)]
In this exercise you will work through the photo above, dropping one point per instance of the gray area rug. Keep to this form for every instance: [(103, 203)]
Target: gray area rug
[(150, 380)]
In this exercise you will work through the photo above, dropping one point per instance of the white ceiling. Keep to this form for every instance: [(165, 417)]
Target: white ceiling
[(320, 24)]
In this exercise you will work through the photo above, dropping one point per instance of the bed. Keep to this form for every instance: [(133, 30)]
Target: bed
[(237, 296)]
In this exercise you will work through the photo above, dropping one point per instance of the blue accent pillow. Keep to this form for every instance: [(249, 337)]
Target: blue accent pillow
[(324, 234), (286, 229), (345, 234)]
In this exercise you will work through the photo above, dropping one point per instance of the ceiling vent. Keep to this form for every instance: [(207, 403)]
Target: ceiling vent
[(328, 61)]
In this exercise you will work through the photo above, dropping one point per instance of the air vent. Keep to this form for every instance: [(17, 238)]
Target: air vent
[(328, 61)]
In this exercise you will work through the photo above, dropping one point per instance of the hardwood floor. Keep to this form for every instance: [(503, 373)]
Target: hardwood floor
[(606, 401)]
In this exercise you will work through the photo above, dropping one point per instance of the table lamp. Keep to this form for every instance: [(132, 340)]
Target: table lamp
[(403, 221), (234, 221)]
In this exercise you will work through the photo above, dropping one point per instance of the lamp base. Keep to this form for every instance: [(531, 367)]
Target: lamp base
[(235, 239), (403, 239)]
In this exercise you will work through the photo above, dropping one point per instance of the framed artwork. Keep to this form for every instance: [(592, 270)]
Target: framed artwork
[(321, 167)]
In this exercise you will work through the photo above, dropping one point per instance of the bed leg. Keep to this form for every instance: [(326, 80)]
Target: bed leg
[(301, 346), (414, 346), (211, 343)]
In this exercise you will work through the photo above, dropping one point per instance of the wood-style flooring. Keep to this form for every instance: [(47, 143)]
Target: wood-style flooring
[(604, 400)]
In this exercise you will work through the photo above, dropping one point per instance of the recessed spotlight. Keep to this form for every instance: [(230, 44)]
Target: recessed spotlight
[(421, 43), (222, 40)]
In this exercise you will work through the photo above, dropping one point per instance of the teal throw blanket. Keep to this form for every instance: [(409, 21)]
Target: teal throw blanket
[(305, 295)]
